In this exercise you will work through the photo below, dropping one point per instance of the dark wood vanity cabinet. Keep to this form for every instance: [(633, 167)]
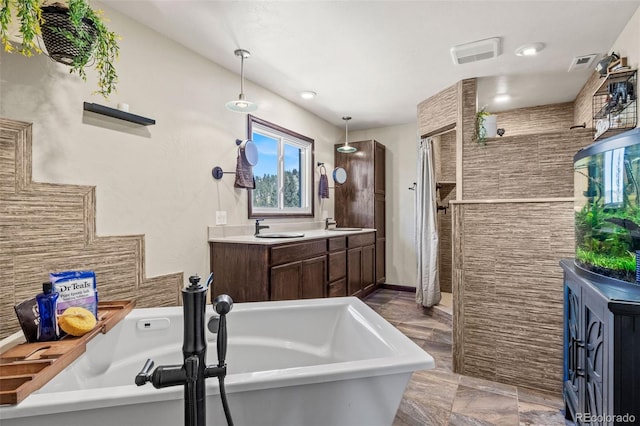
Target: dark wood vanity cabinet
[(337, 266), (323, 267), (361, 270), (360, 201), (601, 349), (304, 279)]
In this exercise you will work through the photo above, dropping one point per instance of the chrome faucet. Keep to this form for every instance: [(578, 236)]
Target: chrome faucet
[(329, 221), (259, 227)]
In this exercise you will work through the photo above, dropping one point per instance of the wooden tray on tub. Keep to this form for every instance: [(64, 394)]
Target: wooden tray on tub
[(27, 367)]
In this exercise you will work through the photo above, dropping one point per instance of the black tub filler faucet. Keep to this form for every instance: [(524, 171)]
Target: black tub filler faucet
[(193, 371)]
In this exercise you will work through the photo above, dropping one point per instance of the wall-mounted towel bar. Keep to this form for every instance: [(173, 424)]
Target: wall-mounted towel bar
[(217, 172)]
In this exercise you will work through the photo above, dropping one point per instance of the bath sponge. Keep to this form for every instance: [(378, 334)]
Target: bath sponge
[(76, 321)]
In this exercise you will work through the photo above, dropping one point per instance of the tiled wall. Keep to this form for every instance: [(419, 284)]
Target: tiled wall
[(445, 172), (511, 223), (508, 290), (439, 111), (48, 227), (538, 119), (528, 166), (583, 110)]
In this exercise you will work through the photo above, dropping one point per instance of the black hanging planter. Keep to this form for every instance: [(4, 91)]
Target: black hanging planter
[(59, 47)]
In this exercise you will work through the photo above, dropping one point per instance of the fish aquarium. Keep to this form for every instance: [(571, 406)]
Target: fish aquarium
[(607, 206)]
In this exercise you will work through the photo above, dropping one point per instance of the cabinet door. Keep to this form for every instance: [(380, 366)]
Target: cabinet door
[(573, 373), (379, 222), (285, 281), (337, 265), (368, 267), (379, 165), (595, 355), (314, 281), (338, 288), (380, 261), (354, 271)]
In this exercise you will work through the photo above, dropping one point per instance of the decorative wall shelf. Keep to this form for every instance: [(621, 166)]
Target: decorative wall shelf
[(615, 105), (116, 113)]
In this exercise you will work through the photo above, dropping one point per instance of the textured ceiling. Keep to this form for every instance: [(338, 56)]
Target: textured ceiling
[(376, 60)]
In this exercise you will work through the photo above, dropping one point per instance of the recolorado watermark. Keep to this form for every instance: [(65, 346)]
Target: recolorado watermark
[(605, 418)]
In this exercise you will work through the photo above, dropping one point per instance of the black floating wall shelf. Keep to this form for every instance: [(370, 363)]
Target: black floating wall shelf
[(116, 113)]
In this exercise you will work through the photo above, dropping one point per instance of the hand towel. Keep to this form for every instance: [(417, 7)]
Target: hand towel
[(244, 173), (323, 186)]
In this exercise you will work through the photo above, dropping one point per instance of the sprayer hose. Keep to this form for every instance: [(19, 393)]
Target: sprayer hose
[(225, 404)]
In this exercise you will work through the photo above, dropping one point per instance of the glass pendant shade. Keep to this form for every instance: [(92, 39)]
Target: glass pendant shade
[(241, 104), (346, 148)]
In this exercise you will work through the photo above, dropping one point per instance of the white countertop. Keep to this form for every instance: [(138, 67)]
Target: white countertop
[(308, 235)]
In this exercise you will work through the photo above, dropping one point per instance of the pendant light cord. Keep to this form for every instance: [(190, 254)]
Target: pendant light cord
[(346, 131), (242, 75)]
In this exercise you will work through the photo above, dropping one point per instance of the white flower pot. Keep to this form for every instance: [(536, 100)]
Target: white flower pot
[(491, 126)]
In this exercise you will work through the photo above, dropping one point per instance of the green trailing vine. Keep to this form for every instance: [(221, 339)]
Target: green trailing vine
[(29, 15), (98, 49), (480, 133)]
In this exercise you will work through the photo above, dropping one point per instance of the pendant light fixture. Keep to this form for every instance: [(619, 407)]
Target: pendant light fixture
[(241, 104), (346, 148)]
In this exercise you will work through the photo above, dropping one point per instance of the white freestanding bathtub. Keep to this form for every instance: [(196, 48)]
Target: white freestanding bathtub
[(324, 362)]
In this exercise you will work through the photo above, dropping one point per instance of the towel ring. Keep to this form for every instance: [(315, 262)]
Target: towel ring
[(323, 170)]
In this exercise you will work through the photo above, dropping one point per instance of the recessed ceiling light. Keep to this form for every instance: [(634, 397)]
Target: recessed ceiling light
[(530, 49), (307, 94), (502, 98)]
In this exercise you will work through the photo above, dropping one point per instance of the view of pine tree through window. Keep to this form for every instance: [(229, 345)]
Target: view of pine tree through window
[(283, 174)]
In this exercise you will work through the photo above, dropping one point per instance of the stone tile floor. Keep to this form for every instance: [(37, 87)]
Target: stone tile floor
[(441, 397)]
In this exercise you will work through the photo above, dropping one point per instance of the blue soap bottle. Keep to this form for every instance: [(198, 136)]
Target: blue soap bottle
[(48, 324)]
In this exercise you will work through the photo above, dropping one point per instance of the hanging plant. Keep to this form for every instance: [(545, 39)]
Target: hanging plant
[(480, 132), (72, 32)]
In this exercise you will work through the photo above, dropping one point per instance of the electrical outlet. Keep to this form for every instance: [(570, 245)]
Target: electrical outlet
[(221, 217)]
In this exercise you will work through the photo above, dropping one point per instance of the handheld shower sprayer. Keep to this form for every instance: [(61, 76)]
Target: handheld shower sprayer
[(192, 372)]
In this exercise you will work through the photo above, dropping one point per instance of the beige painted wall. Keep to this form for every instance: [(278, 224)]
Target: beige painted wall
[(628, 44), (401, 145), (150, 180)]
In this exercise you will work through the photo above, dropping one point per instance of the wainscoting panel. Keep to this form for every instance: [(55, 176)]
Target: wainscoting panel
[(50, 227)]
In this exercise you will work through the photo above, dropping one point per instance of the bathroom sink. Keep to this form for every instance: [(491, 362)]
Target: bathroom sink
[(345, 229), (281, 235)]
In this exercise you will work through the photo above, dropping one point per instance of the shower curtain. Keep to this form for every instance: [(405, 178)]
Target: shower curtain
[(426, 233)]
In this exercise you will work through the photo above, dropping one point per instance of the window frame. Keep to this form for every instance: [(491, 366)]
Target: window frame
[(255, 123)]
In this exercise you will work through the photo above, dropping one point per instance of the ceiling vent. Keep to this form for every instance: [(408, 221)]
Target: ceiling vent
[(476, 51), (584, 62)]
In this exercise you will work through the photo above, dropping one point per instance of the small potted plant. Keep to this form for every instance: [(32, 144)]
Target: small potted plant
[(485, 126), (73, 34)]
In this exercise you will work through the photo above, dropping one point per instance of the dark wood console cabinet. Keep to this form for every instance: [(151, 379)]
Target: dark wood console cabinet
[(601, 348), (322, 267)]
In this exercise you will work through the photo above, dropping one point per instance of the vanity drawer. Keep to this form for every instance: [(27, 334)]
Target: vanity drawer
[(337, 265), (299, 251), (337, 243), (361, 240), (338, 288)]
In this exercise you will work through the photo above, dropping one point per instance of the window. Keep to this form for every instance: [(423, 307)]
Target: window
[(284, 173)]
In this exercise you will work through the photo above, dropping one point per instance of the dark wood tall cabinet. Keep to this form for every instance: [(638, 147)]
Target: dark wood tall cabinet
[(360, 201)]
